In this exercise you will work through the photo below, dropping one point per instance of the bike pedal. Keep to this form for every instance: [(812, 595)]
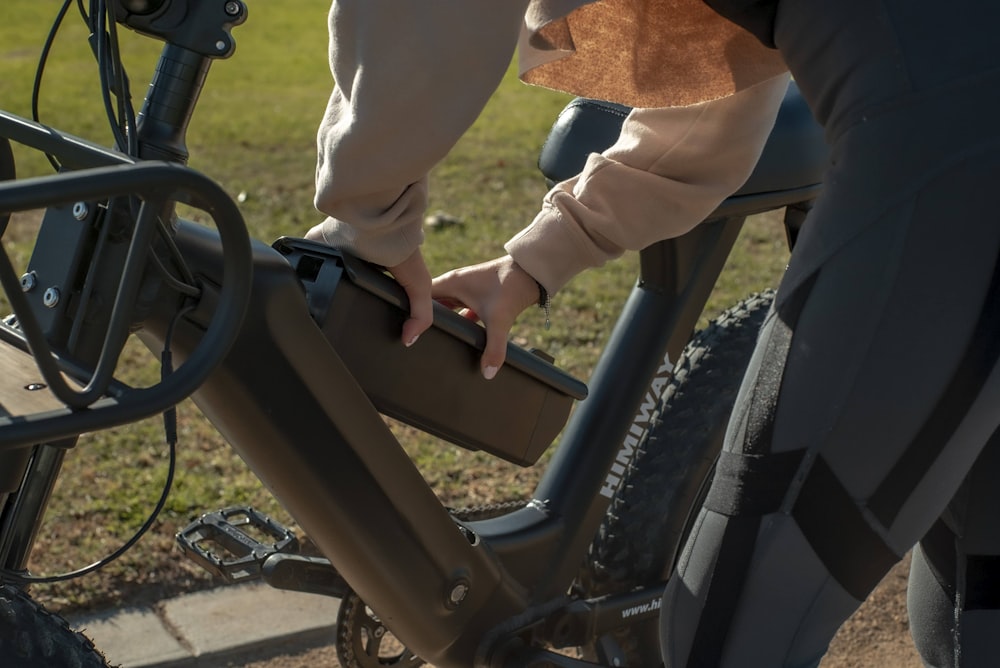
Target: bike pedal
[(231, 542)]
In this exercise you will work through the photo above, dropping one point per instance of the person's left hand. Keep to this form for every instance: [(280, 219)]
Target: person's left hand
[(495, 292)]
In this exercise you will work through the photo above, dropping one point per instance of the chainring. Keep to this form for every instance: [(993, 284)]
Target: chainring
[(363, 641)]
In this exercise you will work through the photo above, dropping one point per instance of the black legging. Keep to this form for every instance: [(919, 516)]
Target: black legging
[(875, 384)]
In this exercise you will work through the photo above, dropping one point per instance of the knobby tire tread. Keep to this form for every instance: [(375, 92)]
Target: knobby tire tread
[(651, 512), (33, 637)]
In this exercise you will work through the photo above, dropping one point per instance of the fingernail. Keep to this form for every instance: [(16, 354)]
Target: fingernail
[(490, 372), (412, 341)]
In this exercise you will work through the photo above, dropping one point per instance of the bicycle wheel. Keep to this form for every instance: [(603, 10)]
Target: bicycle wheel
[(649, 518), (32, 637)]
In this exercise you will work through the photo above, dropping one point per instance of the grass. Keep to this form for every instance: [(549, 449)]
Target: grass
[(254, 132)]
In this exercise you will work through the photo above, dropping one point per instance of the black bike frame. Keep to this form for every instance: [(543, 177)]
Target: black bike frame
[(285, 400)]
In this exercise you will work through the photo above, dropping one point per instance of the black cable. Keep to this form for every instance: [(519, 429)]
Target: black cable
[(126, 112), (113, 77), (167, 237), (170, 431), (106, 66), (39, 71), (186, 289), (21, 579)]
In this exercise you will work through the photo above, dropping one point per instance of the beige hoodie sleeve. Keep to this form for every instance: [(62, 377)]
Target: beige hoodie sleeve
[(670, 168), (411, 77)]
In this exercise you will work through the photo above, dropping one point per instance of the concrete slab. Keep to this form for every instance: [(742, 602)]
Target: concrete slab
[(132, 637), (248, 616)]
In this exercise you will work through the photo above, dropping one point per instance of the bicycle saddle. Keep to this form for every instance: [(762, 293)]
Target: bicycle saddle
[(794, 157)]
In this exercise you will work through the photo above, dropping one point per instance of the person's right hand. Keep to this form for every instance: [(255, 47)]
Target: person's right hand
[(415, 279), (493, 292), (413, 276)]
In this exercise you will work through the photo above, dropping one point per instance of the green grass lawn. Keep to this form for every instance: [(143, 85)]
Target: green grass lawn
[(254, 133)]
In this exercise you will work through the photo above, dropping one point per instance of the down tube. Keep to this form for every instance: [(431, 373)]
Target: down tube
[(288, 405)]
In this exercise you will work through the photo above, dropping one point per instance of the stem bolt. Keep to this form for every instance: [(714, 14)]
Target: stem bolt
[(28, 282), (233, 8), (80, 210), (51, 297)]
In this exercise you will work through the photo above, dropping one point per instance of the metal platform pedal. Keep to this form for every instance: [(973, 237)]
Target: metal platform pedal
[(228, 542), (240, 544)]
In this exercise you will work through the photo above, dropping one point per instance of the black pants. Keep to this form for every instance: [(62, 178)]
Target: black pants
[(863, 423)]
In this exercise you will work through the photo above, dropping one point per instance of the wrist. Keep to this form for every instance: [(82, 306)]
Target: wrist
[(544, 299)]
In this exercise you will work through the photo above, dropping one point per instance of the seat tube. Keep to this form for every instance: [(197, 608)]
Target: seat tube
[(655, 324)]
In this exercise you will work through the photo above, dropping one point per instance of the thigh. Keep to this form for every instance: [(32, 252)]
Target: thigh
[(872, 392), (874, 386)]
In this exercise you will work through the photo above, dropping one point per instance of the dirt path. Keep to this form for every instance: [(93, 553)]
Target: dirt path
[(877, 635)]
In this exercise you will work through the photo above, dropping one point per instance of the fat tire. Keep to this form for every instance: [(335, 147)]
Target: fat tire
[(33, 637), (651, 513)]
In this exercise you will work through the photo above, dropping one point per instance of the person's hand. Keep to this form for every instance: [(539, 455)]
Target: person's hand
[(413, 276), (495, 292)]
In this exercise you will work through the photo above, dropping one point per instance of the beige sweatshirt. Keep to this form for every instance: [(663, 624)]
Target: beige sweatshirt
[(412, 77)]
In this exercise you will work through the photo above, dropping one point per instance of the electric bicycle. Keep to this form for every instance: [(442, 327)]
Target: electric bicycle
[(582, 564)]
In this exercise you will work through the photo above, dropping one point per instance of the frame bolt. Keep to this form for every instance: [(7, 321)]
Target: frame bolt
[(233, 8), (28, 282), (80, 210), (458, 594), (51, 297)]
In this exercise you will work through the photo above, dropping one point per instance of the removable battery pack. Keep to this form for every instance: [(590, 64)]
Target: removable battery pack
[(435, 385)]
